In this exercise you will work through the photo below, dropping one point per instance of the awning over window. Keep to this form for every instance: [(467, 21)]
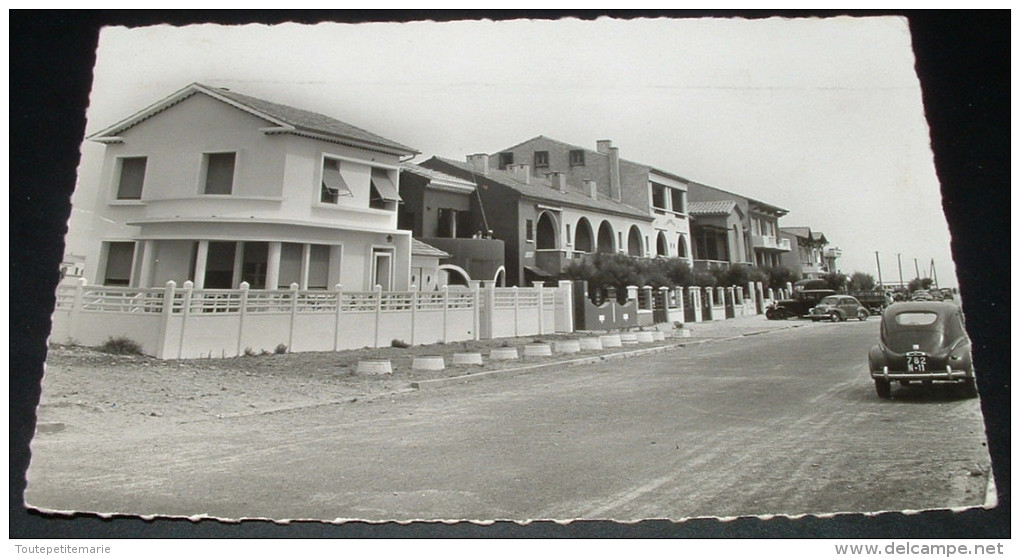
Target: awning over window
[(384, 186), (332, 180)]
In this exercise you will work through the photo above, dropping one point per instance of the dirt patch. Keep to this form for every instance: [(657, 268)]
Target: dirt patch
[(82, 385)]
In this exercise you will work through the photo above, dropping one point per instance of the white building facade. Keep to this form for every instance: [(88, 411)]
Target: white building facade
[(218, 188)]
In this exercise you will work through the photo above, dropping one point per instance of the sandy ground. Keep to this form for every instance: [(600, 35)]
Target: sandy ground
[(83, 384)]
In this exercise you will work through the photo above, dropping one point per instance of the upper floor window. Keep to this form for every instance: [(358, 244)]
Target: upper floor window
[(679, 200), (333, 186), (529, 230), (219, 173), (541, 159), (659, 196), (131, 177), (576, 157), (384, 193), (506, 159)]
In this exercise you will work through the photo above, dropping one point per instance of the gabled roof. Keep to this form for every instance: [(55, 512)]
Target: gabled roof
[(284, 118), (419, 248), (712, 208), (539, 189), (440, 179)]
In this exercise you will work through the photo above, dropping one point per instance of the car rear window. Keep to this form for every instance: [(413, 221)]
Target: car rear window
[(916, 318)]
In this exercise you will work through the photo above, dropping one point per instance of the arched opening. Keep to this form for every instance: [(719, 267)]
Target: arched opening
[(584, 240), (454, 275), (661, 246), (545, 232), (681, 246), (634, 242), (500, 278), (605, 239)]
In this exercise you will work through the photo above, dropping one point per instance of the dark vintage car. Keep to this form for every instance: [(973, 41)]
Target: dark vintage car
[(801, 303), (838, 308), (922, 342)]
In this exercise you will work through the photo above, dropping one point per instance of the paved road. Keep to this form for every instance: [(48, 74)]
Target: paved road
[(780, 423)]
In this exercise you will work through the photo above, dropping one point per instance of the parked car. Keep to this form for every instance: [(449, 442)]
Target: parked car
[(838, 308), (922, 342), (921, 296), (799, 305)]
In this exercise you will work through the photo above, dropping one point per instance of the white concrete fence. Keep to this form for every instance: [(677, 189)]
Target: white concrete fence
[(184, 322)]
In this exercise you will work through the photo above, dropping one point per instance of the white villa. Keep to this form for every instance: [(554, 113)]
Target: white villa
[(219, 188)]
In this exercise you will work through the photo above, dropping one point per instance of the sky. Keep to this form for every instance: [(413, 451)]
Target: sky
[(821, 117)]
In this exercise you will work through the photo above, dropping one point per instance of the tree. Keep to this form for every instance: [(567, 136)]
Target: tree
[(861, 281), (835, 281), (779, 276)]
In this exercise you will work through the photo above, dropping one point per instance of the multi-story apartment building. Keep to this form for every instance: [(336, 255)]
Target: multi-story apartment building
[(546, 223), (604, 174), (215, 187), (807, 254), (729, 228)]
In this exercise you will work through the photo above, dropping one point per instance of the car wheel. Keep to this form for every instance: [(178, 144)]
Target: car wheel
[(883, 388), (835, 317), (862, 314), (770, 314)]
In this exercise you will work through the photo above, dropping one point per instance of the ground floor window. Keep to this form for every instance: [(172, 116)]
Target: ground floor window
[(120, 257)]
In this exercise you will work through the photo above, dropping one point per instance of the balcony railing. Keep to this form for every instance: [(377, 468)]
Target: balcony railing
[(764, 242)]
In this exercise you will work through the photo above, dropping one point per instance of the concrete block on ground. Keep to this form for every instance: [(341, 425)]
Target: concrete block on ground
[(568, 346), (611, 341), (504, 353), (644, 337), (658, 335), (628, 338), (590, 343), (537, 349)]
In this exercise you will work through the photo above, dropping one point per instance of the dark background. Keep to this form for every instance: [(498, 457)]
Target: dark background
[(963, 62)]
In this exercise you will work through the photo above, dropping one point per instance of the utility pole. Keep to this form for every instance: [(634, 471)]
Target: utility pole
[(934, 276), (879, 262), (917, 271), (899, 263)]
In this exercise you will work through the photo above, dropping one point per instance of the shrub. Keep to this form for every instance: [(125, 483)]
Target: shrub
[(121, 346), (399, 343), (281, 349)]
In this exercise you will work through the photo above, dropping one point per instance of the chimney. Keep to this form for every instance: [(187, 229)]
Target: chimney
[(592, 189), (479, 162), (614, 173), (602, 146), (521, 172), (558, 180)]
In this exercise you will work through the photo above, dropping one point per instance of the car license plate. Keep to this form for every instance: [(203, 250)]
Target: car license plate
[(917, 363)]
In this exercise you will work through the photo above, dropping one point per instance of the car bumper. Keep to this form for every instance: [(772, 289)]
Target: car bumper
[(946, 375)]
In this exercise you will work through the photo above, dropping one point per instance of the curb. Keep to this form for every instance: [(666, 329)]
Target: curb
[(441, 382)]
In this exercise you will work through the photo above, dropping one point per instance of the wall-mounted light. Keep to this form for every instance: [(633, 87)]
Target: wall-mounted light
[(389, 238)]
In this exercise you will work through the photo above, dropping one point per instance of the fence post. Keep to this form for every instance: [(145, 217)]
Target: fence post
[(515, 310), (541, 308), (339, 306), (446, 310), (189, 288), (678, 295), (75, 315), (565, 298), (293, 316), (632, 293), (240, 319), (414, 310), (164, 319), (476, 310), (378, 312)]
